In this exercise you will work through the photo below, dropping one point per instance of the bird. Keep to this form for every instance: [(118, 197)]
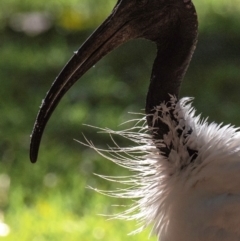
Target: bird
[(186, 178)]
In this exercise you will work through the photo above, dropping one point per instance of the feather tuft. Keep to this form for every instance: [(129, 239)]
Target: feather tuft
[(163, 188)]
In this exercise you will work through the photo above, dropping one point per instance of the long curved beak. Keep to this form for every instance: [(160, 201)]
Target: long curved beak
[(112, 33)]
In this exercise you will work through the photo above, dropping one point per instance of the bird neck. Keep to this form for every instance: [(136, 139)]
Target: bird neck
[(174, 53), (168, 70)]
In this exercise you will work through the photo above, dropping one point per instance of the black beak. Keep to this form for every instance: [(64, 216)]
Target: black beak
[(113, 32), (130, 20)]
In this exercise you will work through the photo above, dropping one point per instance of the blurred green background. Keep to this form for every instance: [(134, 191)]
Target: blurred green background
[(49, 200)]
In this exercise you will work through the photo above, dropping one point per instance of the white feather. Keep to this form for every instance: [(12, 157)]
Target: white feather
[(185, 199)]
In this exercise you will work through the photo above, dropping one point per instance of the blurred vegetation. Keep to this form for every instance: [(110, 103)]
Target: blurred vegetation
[(49, 200)]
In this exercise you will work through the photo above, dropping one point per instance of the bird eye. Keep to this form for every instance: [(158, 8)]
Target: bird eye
[(142, 2)]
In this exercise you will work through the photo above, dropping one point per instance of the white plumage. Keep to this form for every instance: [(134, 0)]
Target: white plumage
[(184, 199)]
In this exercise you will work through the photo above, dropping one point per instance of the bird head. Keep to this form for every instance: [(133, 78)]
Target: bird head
[(160, 21)]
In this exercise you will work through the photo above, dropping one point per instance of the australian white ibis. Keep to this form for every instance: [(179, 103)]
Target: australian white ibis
[(188, 185)]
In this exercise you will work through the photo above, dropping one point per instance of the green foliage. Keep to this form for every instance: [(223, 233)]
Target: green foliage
[(49, 200)]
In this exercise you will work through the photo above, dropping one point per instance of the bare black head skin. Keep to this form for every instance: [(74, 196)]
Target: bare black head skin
[(171, 24)]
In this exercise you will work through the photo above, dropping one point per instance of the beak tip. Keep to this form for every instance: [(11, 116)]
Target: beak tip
[(33, 156), (33, 150)]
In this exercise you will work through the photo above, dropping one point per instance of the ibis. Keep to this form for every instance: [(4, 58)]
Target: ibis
[(187, 179)]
